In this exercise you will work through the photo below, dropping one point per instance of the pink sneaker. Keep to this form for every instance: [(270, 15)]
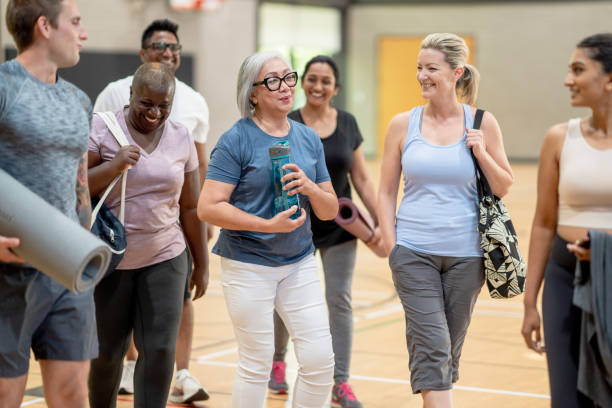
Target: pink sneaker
[(277, 383), (343, 397)]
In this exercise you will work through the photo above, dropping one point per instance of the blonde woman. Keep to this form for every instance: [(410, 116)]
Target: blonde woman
[(433, 241)]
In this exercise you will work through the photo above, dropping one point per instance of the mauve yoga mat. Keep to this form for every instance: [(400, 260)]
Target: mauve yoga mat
[(357, 222), (51, 242)]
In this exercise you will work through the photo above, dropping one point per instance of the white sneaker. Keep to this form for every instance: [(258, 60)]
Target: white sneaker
[(126, 386), (187, 389)]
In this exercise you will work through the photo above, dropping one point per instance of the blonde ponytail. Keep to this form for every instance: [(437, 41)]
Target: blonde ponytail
[(467, 85)]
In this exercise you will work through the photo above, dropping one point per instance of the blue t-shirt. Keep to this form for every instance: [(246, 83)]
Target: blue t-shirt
[(241, 158)]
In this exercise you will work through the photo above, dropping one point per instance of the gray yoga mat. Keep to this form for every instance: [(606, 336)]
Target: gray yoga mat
[(50, 241)]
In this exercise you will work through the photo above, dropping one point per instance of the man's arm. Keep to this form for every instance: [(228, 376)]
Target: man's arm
[(6, 255), (83, 204), (202, 161)]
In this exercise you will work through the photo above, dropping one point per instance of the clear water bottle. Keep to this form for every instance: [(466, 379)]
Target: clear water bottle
[(280, 154)]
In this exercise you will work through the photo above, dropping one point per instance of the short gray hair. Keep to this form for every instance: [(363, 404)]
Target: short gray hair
[(154, 75), (249, 70)]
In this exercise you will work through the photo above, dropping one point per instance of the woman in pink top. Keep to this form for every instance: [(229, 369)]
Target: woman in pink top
[(574, 195), (145, 292)]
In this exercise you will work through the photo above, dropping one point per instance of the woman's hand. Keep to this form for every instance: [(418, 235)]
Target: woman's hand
[(199, 281), (297, 181), (282, 221), (532, 334), (475, 141), (581, 249), (376, 244), (388, 245), (6, 255), (126, 157), (376, 239)]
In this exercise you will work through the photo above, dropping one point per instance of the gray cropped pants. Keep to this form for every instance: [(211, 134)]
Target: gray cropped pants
[(438, 294)]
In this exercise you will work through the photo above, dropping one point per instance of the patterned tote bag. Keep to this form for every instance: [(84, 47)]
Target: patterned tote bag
[(504, 266)]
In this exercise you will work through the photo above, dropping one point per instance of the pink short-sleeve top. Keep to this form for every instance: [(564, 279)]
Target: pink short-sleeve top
[(153, 190)]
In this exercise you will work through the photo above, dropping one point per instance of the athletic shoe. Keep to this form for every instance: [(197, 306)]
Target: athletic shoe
[(343, 397), (187, 389), (277, 383), (126, 386)]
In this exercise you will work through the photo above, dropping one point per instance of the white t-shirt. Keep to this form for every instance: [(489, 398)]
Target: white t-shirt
[(188, 108)]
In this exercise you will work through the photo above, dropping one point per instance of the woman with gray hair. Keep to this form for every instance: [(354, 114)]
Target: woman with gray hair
[(433, 240), (267, 256)]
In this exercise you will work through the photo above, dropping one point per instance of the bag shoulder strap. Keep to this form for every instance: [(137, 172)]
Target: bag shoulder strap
[(478, 118), (484, 189), (112, 124)]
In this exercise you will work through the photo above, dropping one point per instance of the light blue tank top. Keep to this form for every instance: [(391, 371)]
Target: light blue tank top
[(439, 211)]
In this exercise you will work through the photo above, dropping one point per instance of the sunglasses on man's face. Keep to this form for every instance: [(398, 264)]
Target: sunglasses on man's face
[(162, 46)]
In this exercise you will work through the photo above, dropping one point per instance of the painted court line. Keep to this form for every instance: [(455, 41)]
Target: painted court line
[(455, 387), (398, 308), (405, 382), (34, 401), (207, 359), (217, 354)]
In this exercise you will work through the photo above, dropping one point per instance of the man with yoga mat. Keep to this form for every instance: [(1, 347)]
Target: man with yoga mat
[(44, 129)]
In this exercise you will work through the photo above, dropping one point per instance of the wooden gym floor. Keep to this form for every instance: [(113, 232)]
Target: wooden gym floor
[(496, 370)]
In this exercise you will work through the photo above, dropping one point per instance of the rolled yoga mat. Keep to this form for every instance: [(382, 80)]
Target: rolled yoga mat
[(357, 222), (49, 240)]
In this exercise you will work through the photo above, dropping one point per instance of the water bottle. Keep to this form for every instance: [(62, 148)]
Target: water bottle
[(280, 154)]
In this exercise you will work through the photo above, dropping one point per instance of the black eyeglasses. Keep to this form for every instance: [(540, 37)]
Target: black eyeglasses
[(162, 46), (273, 83)]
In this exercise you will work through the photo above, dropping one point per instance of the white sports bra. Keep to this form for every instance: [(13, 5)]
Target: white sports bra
[(585, 182)]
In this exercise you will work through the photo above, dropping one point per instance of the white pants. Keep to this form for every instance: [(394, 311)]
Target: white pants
[(252, 292)]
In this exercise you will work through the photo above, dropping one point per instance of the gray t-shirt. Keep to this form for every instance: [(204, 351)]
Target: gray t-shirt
[(44, 129)]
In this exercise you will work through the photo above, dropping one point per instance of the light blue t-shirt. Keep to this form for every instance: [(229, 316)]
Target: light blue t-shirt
[(439, 211), (241, 158)]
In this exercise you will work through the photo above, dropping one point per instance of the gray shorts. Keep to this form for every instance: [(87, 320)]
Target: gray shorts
[(438, 294), (38, 313)]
